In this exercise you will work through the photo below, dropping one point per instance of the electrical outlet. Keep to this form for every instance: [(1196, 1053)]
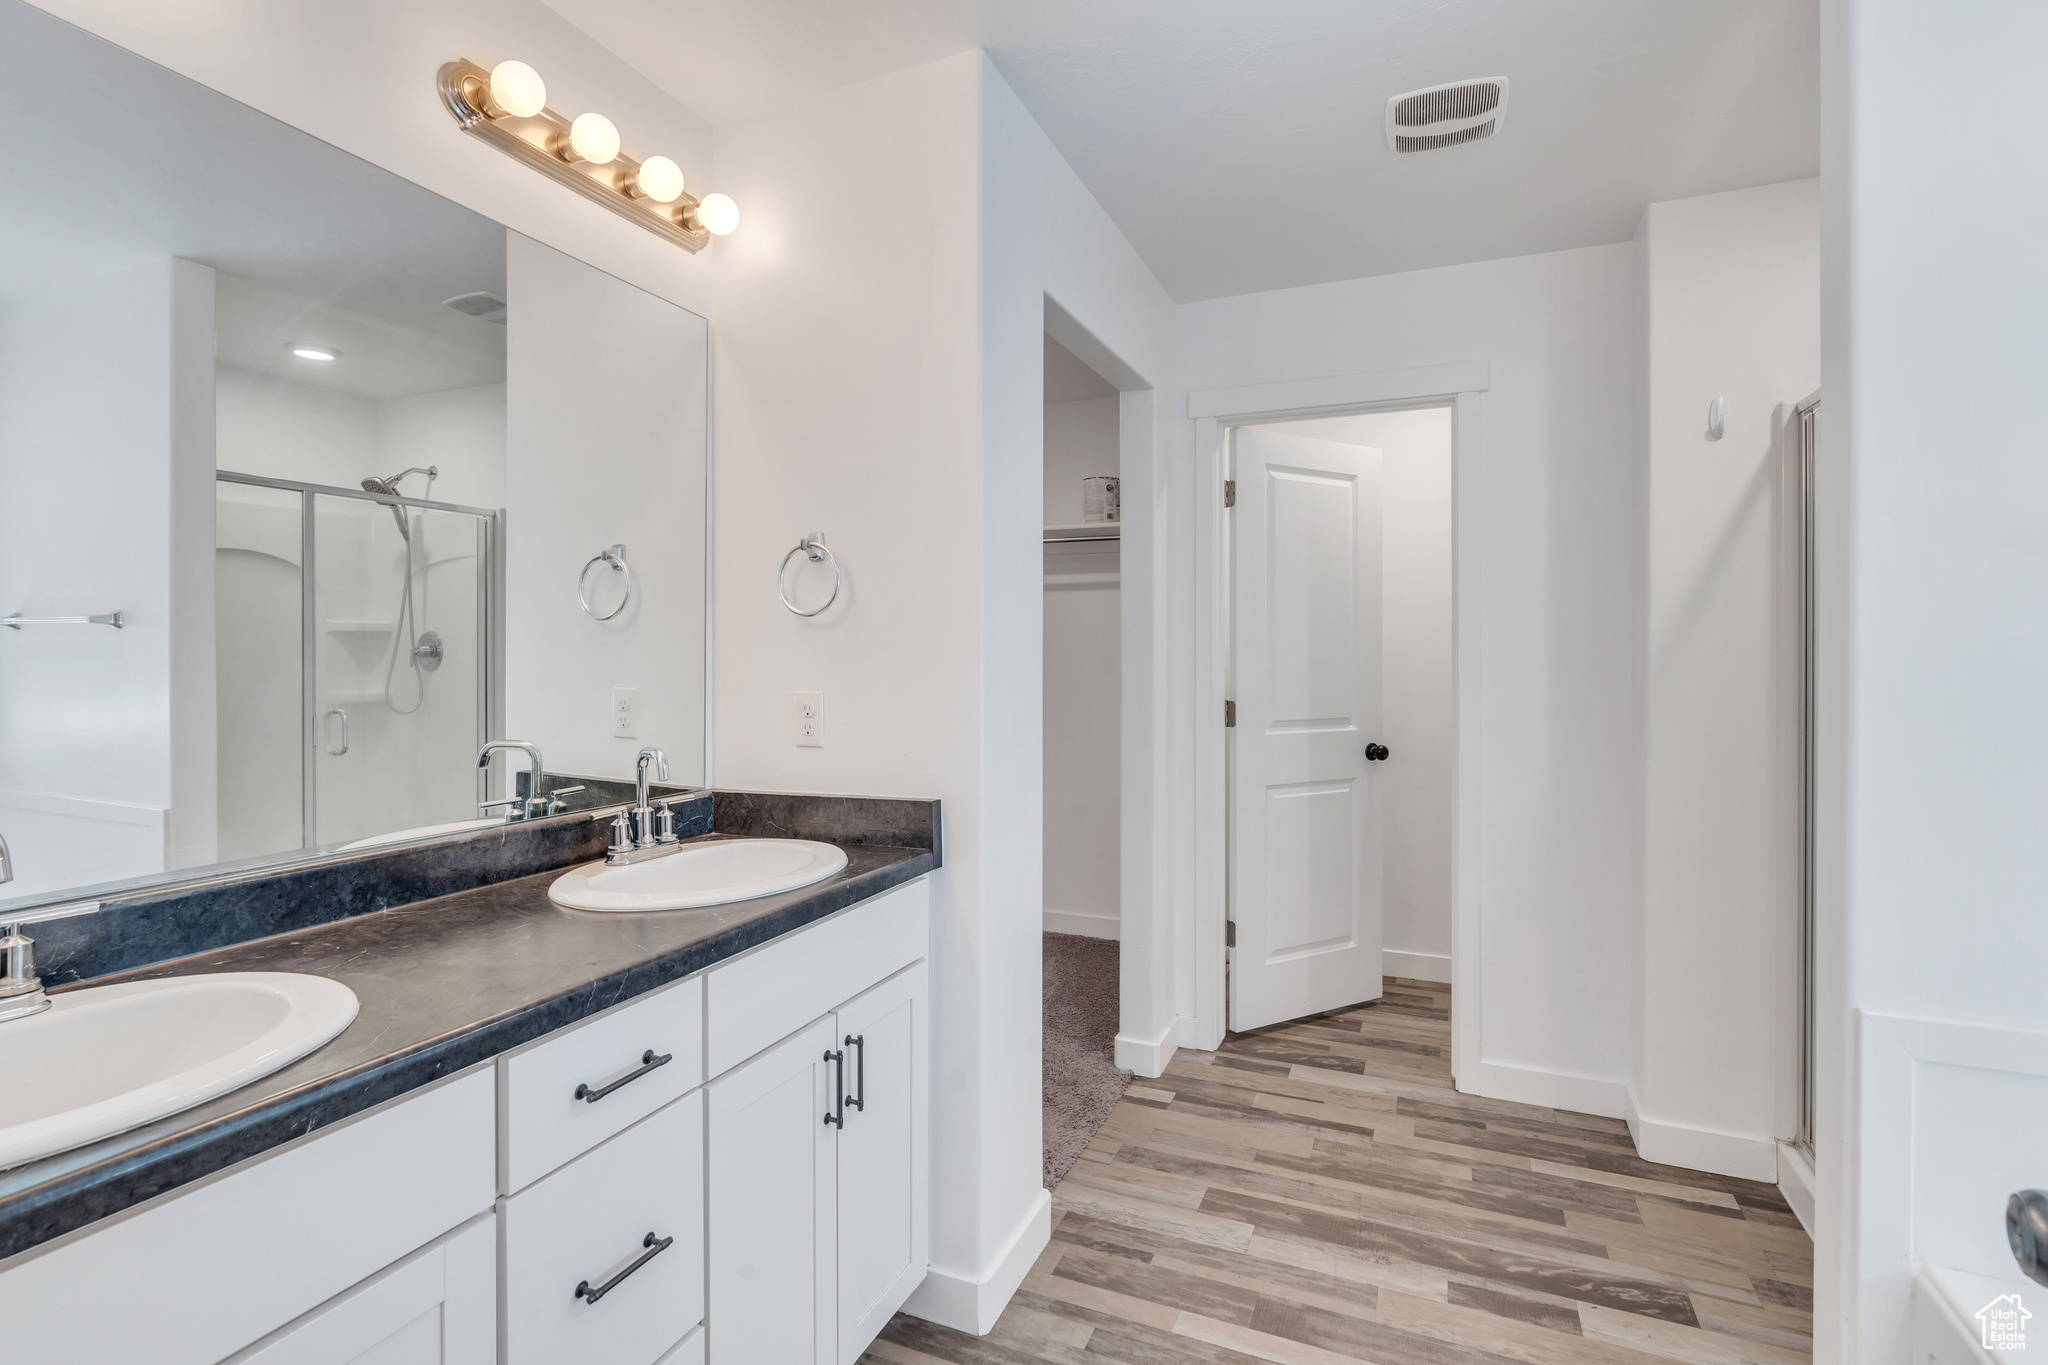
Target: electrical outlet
[(626, 712), (810, 720)]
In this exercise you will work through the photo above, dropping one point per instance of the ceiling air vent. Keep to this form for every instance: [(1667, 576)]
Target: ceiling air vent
[(481, 304), (1446, 115)]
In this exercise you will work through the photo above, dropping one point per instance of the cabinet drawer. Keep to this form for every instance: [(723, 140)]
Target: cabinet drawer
[(589, 1222), (756, 1001), (546, 1115)]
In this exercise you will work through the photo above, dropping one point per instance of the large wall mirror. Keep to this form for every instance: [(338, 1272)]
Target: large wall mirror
[(311, 483)]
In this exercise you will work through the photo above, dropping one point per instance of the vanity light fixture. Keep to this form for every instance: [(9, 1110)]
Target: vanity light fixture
[(306, 352), (506, 106)]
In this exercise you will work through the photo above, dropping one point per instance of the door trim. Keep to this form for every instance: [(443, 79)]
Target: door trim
[(1215, 412)]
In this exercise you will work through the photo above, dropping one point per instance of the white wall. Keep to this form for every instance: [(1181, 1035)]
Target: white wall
[(1418, 679), (1550, 1021), (1080, 443), (461, 432), (360, 75), (285, 429), (607, 437), (1083, 682), (1934, 303), (1732, 310), (885, 388), (105, 463)]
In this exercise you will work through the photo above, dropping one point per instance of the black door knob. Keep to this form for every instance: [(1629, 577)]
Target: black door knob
[(1375, 752)]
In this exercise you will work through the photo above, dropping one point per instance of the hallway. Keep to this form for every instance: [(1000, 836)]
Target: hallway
[(1316, 1193)]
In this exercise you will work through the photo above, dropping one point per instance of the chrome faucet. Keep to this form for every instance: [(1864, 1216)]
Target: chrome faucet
[(534, 802), (645, 832), (21, 990), (6, 861)]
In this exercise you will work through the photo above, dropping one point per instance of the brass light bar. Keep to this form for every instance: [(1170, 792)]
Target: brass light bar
[(539, 142)]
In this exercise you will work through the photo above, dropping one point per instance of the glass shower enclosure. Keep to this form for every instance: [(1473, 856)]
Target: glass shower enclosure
[(353, 647)]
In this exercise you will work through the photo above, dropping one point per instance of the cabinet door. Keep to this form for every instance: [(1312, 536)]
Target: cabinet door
[(438, 1307), (770, 1202), (882, 1157)]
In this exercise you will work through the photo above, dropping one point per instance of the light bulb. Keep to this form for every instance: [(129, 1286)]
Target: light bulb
[(518, 89), (594, 138), (717, 214), (661, 180), (305, 351)]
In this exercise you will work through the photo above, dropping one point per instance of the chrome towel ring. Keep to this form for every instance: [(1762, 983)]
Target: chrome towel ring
[(616, 557), (811, 547)]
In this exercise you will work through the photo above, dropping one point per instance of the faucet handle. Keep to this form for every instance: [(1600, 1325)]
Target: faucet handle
[(622, 840), (21, 991), (664, 823)]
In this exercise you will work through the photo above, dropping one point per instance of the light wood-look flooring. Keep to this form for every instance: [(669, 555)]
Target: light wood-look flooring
[(1316, 1193)]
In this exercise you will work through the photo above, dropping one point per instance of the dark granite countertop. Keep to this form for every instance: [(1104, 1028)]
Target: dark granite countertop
[(443, 984)]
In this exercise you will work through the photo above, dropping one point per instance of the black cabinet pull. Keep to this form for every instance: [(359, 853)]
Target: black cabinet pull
[(648, 1062), (859, 1099), (838, 1059), (1376, 753), (654, 1248)]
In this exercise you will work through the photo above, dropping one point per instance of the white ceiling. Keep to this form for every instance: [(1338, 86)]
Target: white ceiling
[(1239, 146), (312, 245)]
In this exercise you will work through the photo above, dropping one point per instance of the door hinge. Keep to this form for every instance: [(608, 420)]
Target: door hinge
[(1229, 715), (1230, 492), (1230, 933)]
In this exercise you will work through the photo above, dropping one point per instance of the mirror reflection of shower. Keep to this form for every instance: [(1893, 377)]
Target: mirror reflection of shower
[(423, 647)]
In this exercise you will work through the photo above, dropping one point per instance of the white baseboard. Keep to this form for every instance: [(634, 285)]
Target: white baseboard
[(1552, 1089), (1431, 967), (1796, 1183), (1191, 1032), (1148, 1056), (971, 1305), (1083, 923), (1701, 1149)]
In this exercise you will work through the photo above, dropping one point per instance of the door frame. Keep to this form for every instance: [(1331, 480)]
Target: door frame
[(1215, 413)]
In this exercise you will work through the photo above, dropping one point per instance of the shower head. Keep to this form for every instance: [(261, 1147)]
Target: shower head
[(389, 488)]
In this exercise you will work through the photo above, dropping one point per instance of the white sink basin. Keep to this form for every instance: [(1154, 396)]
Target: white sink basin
[(106, 1059), (399, 836), (699, 875)]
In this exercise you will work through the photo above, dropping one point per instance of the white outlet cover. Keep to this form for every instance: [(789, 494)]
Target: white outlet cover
[(810, 720), (625, 714)]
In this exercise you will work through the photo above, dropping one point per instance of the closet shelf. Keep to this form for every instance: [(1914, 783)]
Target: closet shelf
[(1091, 530)]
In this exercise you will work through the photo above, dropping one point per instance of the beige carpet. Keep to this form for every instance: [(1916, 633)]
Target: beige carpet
[(1082, 1082)]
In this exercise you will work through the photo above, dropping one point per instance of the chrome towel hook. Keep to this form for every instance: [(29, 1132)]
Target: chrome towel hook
[(616, 557), (811, 547)]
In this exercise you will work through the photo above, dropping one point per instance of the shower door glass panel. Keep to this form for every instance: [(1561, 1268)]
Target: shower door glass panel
[(259, 668), (397, 688)]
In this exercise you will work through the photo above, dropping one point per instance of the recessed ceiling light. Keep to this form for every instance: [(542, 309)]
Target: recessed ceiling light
[(305, 352)]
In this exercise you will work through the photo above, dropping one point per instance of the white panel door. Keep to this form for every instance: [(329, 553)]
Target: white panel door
[(1305, 871), (771, 1195), (882, 1157)]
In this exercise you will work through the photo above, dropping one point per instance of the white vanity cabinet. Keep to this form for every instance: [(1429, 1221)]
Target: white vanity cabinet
[(817, 1160), (658, 1184)]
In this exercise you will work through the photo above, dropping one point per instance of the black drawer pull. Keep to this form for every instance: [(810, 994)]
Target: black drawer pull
[(859, 1098), (838, 1060), (655, 1246), (648, 1061)]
